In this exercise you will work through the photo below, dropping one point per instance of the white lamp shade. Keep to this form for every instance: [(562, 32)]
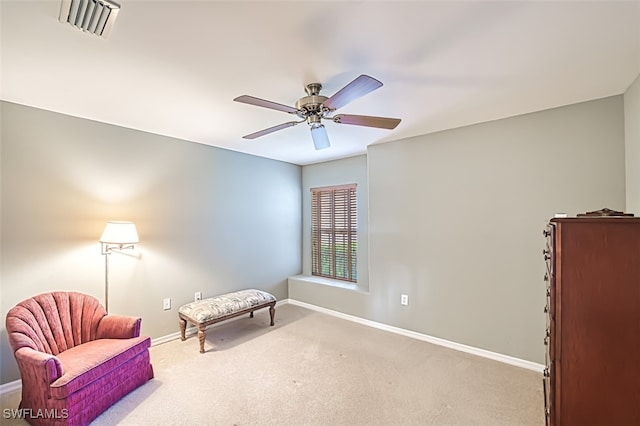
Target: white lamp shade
[(119, 232)]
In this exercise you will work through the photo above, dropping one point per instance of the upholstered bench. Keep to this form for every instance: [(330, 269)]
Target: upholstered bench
[(203, 313)]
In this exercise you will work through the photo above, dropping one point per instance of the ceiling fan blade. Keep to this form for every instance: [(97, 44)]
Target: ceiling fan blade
[(367, 120), (265, 104), (320, 138), (271, 130), (357, 88)]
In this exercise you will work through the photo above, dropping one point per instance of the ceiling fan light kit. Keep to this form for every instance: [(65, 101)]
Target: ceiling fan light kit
[(93, 16), (314, 108), (319, 136)]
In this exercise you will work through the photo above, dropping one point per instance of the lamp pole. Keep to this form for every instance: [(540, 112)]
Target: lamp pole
[(117, 235), (106, 280)]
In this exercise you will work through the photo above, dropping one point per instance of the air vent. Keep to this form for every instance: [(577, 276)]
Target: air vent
[(92, 16)]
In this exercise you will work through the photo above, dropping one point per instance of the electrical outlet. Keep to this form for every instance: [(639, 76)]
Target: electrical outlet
[(198, 296), (404, 299), (166, 304)]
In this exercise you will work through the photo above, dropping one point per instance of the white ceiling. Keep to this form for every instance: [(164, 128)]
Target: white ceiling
[(174, 67)]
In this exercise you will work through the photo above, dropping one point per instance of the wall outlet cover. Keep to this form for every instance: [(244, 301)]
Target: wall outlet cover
[(404, 299)]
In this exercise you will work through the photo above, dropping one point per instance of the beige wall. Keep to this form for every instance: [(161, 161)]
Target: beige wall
[(455, 222), (632, 138), (209, 220)]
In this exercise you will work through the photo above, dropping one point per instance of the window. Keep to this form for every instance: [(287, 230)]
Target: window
[(334, 235)]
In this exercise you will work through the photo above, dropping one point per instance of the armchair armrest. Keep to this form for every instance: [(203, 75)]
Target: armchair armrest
[(37, 367), (118, 327)]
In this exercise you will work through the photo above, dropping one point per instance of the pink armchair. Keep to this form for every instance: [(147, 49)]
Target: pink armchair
[(75, 361)]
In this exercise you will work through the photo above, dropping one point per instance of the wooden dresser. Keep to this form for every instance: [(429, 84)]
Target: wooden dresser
[(592, 374)]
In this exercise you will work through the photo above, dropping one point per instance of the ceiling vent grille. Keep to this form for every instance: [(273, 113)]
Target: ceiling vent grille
[(92, 16)]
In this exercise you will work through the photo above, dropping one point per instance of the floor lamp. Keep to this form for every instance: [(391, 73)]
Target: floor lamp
[(117, 235)]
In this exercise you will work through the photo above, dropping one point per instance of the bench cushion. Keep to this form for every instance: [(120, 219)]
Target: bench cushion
[(216, 307)]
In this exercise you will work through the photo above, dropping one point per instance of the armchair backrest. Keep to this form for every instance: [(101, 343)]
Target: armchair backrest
[(54, 322)]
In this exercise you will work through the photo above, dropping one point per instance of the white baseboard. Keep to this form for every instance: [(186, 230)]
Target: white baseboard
[(11, 387), (17, 384), (424, 337), (408, 333)]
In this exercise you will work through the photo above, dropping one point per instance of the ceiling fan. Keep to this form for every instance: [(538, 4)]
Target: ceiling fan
[(314, 107)]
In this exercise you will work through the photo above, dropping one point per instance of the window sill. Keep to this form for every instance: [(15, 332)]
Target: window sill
[(331, 283)]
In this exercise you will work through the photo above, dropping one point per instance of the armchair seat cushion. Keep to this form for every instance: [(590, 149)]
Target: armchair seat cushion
[(93, 360)]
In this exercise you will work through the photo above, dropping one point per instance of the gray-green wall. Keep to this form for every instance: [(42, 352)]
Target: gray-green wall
[(209, 219), (632, 154), (456, 219), (453, 219)]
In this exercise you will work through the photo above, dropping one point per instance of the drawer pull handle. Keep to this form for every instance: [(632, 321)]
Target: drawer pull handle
[(547, 414), (546, 402), (546, 276), (546, 233), (545, 372)]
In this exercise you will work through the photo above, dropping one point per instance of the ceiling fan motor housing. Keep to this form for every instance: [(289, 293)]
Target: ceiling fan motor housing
[(311, 103)]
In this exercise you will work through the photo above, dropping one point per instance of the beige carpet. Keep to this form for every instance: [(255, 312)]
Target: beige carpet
[(315, 369)]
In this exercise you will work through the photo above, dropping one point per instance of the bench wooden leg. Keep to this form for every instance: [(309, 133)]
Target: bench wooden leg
[(272, 313), (183, 329), (201, 337)]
